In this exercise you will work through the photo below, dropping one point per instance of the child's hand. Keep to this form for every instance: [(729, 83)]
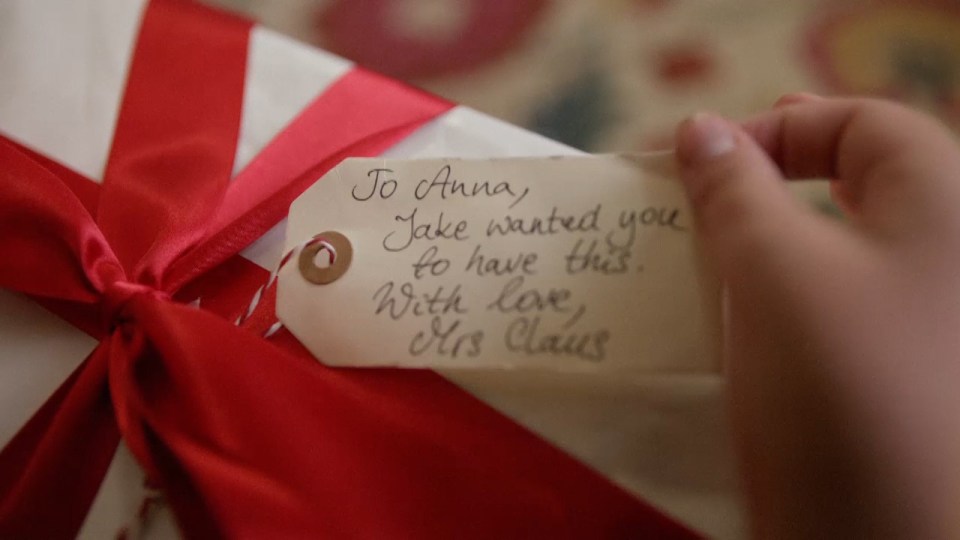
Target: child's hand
[(843, 340)]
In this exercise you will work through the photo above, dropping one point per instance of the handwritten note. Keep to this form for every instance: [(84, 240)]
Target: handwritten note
[(569, 263)]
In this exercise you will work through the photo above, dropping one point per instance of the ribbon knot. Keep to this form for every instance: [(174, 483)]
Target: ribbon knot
[(116, 297)]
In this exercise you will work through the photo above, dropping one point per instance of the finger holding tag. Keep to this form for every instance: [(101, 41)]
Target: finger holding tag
[(567, 264)]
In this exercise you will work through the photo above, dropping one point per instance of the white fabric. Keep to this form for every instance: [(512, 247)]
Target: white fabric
[(62, 68)]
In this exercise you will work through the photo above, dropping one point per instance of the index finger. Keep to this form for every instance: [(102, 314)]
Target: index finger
[(889, 158)]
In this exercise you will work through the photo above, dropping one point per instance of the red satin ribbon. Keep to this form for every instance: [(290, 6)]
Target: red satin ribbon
[(248, 438)]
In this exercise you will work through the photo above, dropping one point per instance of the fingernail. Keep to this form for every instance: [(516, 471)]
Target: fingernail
[(796, 97), (704, 137)]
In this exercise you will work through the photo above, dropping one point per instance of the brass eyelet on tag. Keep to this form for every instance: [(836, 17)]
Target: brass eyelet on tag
[(341, 253)]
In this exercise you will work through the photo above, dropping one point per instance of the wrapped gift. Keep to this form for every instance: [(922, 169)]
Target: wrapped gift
[(149, 154)]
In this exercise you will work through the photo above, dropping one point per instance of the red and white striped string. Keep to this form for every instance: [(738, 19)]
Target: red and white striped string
[(272, 281)]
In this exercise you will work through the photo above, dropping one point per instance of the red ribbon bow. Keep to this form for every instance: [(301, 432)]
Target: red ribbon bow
[(247, 438)]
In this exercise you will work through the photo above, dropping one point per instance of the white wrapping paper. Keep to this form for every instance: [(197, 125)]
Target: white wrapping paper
[(62, 69)]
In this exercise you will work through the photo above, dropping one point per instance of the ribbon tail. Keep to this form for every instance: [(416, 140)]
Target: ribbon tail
[(63, 452), (250, 440)]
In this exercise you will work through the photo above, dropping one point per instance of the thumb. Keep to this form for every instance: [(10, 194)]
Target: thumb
[(743, 212)]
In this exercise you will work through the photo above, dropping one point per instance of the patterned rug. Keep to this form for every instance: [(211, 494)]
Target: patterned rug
[(617, 75)]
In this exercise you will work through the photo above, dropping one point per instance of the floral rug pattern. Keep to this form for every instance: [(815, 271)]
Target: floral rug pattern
[(616, 75)]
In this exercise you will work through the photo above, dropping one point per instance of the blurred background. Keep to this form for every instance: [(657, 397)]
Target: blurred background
[(617, 75)]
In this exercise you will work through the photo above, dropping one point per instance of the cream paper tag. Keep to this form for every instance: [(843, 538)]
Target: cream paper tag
[(564, 263)]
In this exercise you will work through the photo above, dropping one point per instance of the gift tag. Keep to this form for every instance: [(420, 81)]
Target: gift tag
[(580, 263)]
